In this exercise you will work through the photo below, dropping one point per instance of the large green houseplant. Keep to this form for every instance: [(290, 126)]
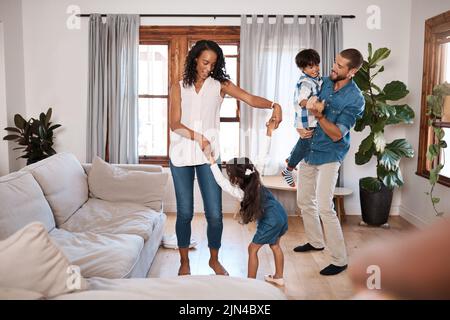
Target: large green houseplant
[(380, 111), (35, 136)]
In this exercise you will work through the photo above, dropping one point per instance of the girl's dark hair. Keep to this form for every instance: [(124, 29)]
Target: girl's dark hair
[(251, 208), (307, 57), (190, 67)]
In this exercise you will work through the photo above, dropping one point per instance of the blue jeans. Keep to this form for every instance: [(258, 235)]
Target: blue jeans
[(183, 180), (300, 150)]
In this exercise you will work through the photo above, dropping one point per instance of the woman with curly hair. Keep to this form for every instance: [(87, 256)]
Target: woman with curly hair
[(194, 122)]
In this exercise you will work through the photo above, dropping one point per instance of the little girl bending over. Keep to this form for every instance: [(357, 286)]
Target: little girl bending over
[(257, 204)]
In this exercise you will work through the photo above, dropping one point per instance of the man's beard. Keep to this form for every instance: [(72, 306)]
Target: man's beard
[(337, 78)]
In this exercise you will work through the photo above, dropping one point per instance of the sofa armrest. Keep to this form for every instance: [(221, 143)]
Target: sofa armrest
[(137, 167)]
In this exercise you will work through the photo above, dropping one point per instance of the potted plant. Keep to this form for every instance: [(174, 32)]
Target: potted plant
[(376, 192), (34, 136), (436, 115)]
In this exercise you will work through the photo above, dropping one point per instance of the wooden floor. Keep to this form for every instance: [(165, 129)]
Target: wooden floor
[(301, 273)]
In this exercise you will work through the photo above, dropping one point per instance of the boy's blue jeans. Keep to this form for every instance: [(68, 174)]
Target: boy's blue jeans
[(300, 150), (183, 180)]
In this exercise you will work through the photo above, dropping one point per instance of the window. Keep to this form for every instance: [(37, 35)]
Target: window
[(153, 95), (436, 70), (162, 54)]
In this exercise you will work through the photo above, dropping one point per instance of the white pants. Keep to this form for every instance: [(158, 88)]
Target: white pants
[(316, 184)]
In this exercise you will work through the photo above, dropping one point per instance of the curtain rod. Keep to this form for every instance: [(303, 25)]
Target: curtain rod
[(85, 15)]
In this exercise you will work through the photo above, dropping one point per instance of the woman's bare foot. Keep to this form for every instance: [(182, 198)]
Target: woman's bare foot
[(185, 269), (218, 268)]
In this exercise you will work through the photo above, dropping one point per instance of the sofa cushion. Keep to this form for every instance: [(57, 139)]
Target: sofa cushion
[(111, 183), (101, 216), (100, 255), (30, 261), (64, 183), (22, 202)]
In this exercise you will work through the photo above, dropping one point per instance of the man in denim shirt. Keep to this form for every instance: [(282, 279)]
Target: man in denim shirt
[(330, 142)]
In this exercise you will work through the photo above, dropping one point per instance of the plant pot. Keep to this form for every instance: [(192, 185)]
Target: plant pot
[(375, 206)]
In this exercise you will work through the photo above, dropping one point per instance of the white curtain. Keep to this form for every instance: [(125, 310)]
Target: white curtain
[(113, 88), (331, 41), (268, 69), (97, 113)]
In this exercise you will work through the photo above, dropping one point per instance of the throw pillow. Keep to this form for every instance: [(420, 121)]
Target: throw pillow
[(111, 183), (30, 261)]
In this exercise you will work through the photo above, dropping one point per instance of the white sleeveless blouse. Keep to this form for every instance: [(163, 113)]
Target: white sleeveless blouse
[(199, 112)]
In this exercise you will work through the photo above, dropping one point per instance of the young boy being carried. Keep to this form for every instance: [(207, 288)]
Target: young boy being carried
[(308, 85)]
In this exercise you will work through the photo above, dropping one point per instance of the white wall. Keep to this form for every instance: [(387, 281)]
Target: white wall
[(4, 153), (416, 206), (11, 17), (56, 57)]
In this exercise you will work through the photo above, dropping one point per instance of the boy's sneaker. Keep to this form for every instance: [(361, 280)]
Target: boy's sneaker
[(288, 177)]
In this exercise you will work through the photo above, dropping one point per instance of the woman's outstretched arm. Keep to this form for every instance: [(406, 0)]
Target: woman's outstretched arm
[(255, 101)]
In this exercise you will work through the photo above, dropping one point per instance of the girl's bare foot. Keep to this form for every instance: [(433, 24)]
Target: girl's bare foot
[(218, 268)]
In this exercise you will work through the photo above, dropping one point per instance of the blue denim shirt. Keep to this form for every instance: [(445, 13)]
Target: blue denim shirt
[(343, 108)]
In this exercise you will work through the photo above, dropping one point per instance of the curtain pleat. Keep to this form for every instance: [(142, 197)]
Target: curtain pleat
[(113, 88)]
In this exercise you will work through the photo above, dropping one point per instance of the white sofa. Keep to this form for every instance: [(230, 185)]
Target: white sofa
[(49, 221), (34, 267), (108, 239)]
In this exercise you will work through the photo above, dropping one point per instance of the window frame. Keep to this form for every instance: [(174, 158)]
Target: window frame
[(157, 159), (436, 30), (178, 38)]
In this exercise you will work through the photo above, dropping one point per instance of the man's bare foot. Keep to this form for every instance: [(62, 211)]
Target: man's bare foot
[(218, 268), (185, 269)]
